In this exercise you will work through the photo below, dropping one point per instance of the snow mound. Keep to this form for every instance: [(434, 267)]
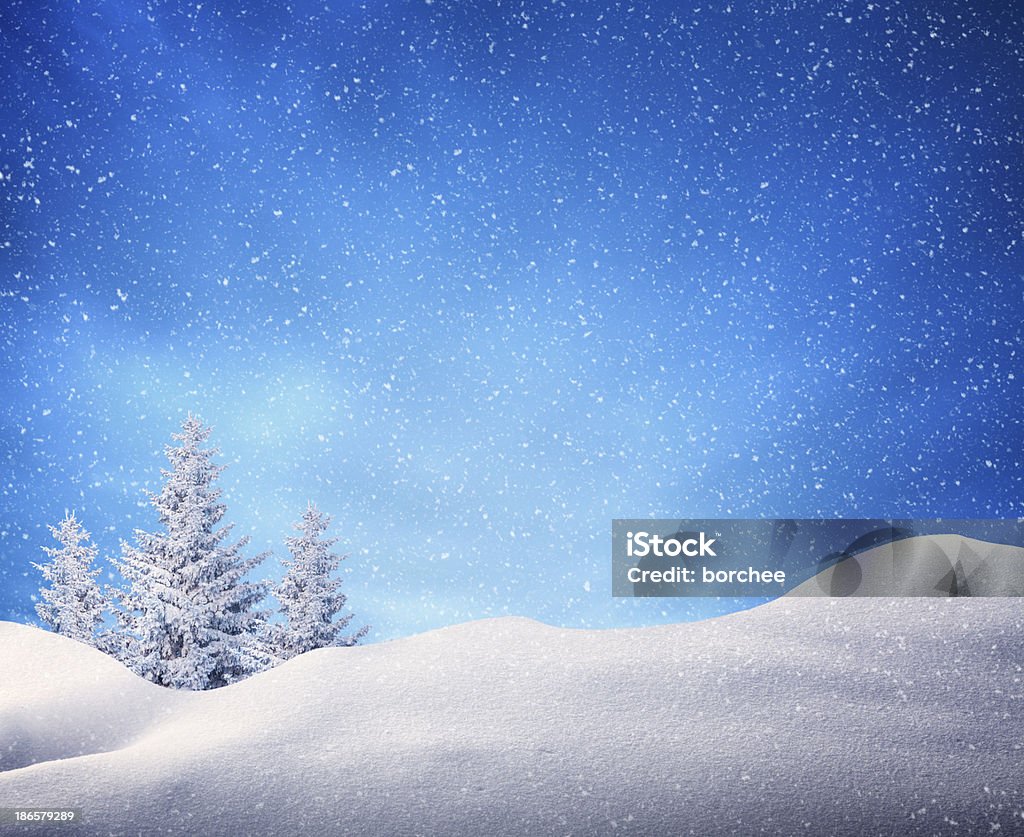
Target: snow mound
[(60, 698), (809, 716)]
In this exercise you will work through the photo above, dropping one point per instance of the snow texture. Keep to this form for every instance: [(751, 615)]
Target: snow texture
[(803, 716)]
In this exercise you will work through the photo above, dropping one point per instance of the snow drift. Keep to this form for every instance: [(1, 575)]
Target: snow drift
[(810, 716)]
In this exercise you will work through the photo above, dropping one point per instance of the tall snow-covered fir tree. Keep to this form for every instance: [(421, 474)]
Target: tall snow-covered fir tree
[(192, 622), (73, 604), (310, 599)]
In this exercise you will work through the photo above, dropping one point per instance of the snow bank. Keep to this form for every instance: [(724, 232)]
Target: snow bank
[(804, 716), (60, 699)]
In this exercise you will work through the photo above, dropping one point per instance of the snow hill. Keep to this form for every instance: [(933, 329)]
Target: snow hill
[(804, 716)]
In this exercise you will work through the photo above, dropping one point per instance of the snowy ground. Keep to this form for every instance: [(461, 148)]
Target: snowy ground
[(804, 716)]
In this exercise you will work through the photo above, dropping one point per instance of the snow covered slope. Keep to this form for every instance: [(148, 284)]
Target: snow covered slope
[(59, 698), (804, 716)]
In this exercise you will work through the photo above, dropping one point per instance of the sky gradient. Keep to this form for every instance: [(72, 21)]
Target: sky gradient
[(477, 278)]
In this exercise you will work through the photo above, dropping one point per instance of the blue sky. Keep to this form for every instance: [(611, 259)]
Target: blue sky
[(479, 277)]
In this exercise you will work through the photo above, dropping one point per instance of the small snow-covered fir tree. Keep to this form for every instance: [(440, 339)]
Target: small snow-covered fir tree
[(310, 599), (192, 622), (73, 604)]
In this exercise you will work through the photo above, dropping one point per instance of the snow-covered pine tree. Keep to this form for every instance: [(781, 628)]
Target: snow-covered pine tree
[(72, 605), (192, 622), (308, 593)]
